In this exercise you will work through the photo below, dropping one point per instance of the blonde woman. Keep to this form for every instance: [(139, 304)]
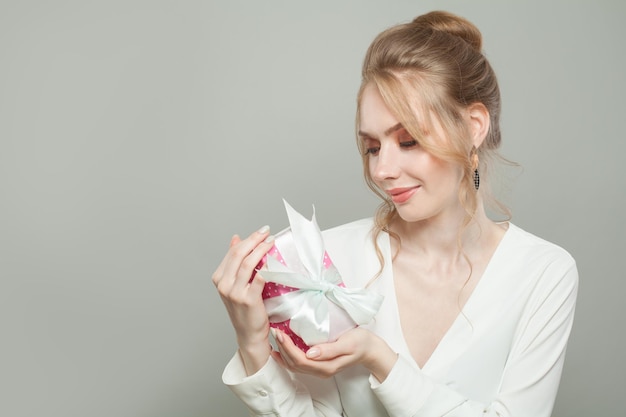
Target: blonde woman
[(476, 315)]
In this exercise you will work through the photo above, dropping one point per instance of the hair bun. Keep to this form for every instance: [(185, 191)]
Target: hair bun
[(452, 24)]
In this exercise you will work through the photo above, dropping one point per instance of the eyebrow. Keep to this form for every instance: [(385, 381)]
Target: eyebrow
[(387, 132)]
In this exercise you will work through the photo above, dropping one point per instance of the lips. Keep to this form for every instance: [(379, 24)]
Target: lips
[(401, 195)]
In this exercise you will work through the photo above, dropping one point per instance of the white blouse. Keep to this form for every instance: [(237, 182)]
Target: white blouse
[(503, 356)]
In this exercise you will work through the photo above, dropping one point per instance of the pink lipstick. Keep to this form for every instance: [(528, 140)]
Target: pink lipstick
[(402, 195)]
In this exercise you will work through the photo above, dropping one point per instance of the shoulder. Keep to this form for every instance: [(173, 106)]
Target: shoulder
[(534, 246), (530, 255)]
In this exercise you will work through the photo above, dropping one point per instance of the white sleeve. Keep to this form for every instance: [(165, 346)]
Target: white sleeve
[(532, 373), (273, 391)]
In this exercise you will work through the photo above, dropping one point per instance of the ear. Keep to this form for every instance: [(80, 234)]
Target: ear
[(479, 121)]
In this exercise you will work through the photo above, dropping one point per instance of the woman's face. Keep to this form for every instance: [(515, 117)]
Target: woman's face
[(420, 185)]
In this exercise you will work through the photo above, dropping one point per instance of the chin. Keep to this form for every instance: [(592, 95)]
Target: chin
[(411, 215)]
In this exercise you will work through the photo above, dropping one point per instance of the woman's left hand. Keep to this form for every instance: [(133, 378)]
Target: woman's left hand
[(356, 346)]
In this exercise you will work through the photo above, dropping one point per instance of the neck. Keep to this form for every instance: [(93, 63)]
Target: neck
[(439, 237)]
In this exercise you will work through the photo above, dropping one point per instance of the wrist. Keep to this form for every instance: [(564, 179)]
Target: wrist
[(380, 359), (254, 356)]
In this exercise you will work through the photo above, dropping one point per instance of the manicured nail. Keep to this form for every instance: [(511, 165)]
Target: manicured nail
[(277, 335), (312, 353), (269, 239), (264, 229)]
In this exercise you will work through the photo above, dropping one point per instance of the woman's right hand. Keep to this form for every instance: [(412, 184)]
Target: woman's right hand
[(242, 298)]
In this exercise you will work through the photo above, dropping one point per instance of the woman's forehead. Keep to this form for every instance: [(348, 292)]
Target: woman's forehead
[(375, 117)]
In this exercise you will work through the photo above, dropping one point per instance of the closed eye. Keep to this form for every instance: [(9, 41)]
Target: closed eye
[(408, 144), (405, 140), (372, 151), (371, 146)]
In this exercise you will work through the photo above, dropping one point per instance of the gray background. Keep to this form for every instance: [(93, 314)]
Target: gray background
[(137, 137)]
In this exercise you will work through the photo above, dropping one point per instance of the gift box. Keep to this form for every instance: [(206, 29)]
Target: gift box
[(304, 294)]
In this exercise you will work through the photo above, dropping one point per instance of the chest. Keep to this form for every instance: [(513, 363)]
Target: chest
[(428, 305)]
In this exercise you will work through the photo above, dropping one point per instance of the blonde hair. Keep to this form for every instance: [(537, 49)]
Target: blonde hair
[(428, 71)]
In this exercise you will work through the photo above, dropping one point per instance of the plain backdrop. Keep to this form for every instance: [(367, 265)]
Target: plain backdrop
[(137, 136)]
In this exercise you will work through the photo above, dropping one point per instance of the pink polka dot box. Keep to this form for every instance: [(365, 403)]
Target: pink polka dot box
[(304, 294)]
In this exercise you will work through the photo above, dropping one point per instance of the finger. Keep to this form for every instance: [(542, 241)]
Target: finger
[(291, 354), (232, 262), (280, 337), (256, 286), (352, 342), (251, 263), (240, 248), (219, 271), (296, 361), (326, 351), (234, 240)]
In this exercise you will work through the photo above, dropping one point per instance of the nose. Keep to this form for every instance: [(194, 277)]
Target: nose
[(386, 165)]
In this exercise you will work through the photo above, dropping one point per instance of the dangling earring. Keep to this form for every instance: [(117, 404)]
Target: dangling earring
[(476, 179), (475, 166)]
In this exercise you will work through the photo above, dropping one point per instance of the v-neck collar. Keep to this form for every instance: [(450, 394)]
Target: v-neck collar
[(460, 332)]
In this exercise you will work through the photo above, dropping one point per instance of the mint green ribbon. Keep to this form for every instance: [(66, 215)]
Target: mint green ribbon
[(309, 307)]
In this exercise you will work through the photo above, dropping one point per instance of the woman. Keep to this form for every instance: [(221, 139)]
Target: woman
[(476, 314)]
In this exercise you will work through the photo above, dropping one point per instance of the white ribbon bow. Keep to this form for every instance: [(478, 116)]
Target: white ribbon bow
[(309, 307)]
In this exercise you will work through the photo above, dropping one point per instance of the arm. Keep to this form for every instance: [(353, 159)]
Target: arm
[(252, 374), (276, 392)]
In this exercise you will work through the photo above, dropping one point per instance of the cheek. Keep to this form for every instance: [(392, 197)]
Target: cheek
[(446, 172)]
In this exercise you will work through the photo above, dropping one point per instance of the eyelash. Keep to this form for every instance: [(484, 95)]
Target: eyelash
[(406, 144)]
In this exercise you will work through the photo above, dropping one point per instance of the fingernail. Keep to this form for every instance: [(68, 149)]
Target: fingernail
[(312, 353), (273, 332), (269, 239), (278, 335), (264, 229)]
